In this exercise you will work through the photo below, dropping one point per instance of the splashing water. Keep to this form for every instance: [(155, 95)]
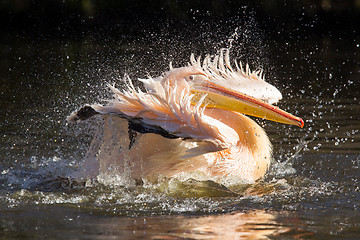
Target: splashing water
[(314, 177)]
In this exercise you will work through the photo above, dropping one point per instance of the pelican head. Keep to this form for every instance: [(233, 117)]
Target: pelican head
[(194, 119), (239, 91)]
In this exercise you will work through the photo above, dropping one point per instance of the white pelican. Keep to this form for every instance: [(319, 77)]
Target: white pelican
[(193, 119)]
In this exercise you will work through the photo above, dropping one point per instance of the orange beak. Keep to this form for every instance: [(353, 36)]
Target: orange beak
[(220, 97)]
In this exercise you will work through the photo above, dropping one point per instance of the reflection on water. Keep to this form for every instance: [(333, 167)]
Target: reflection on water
[(256, 224), (251, 225), (312, 190)]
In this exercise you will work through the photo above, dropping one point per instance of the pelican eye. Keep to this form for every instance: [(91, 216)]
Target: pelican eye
[(191, 78)]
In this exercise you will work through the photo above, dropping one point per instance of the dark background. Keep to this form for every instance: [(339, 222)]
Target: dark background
[(134, 18), (56, 56)]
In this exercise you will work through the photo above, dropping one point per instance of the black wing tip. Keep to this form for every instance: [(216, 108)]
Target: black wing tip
[(82, 114), (141, 127)]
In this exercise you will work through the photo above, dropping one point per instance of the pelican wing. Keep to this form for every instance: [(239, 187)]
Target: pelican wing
[(164, 113)]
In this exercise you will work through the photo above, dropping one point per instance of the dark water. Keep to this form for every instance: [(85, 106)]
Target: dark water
[(312, 190)]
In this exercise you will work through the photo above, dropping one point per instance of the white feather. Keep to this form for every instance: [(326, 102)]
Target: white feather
[(252, 83)]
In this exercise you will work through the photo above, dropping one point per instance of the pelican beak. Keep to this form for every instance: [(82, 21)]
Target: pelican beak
[(220, 97)]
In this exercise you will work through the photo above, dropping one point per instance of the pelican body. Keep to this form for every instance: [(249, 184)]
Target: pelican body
[(193, 119)]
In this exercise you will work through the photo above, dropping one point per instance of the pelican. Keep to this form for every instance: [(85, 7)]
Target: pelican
[(194, 119)]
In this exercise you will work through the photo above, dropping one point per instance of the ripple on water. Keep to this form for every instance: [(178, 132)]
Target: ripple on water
[(174, 196)]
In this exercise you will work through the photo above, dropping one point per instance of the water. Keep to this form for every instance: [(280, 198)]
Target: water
[(312, 190)]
